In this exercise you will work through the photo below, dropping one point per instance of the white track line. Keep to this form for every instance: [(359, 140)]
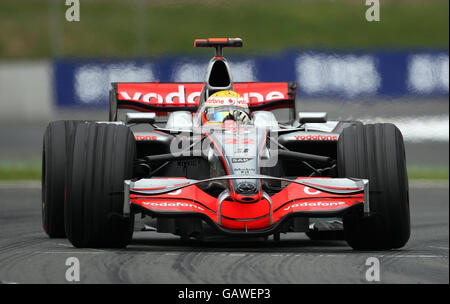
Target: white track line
[(443, 248), (68, 252), (393, 256), (414, 256)]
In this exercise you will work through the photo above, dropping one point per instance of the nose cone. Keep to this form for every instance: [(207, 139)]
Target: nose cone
[(246, 188), (247, 192)]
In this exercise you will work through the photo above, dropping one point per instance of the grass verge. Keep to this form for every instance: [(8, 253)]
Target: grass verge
[(20, 171), (428, 173), (32, 171), (38, 28)]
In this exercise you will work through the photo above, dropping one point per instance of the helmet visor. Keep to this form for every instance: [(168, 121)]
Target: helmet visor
[(217, 116)]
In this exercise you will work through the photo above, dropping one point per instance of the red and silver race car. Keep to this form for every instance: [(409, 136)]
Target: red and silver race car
[(213, 158)]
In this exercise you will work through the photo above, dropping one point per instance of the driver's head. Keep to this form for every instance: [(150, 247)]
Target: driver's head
[(225, 105)]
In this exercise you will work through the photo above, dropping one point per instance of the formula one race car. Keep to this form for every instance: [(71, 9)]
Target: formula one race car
[(223, 163)]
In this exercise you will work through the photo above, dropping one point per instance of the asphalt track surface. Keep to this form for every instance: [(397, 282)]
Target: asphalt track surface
[(27, 255)]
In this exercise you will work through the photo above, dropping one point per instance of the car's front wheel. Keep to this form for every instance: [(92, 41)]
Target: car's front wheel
[(103, 157), (55, 151), (377, 153)]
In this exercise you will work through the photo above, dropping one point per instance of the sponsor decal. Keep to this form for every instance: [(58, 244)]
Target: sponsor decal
[(169, 94), (145, 137), (226, 101), (310, 192), (172, 204), (188, 94), (244, 171), (315, 204), (240, 160), (316, 137), (176, 192)]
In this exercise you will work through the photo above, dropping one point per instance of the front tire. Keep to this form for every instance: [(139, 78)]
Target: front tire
[(103, 157), (377, 153), (56, 147)]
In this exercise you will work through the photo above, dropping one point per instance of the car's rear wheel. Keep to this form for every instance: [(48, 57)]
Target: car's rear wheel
[(56, 147), (103, 157), (376, 152)]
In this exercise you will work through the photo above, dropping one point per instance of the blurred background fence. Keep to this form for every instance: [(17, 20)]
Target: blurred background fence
[(339, 75)]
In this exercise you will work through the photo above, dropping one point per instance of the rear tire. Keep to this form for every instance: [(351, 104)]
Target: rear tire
[(103, 157), (376, 152), (56, 147)]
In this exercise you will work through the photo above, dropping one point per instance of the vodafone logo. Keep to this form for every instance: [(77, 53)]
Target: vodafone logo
[(311, 192), (176, 192), (174, 204), (178, 97), (316, 137), (272, 95), (315, 204), (189, 93), (220, 101), (145, 137)]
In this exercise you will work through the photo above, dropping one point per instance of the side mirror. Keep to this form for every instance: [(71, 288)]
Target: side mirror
[(312, 117), (140, 118)]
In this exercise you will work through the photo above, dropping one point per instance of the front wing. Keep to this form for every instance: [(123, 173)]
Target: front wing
[(303, 197)]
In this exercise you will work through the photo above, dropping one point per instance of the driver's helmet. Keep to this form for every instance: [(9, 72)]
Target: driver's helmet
[(225, 105)]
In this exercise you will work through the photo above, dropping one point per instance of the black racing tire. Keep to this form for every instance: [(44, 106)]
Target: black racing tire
[(376, 152), (56, 147), (103, 157)]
